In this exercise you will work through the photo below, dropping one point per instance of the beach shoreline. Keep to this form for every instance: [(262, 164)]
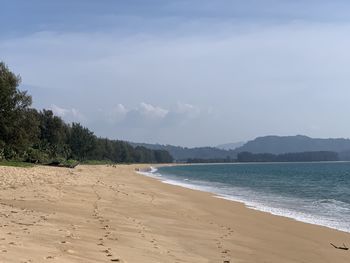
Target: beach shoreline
[(105, 213), (153, 172)]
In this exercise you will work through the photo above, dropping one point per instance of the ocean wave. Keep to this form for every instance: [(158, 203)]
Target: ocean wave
[(332, 205), (151, 172)]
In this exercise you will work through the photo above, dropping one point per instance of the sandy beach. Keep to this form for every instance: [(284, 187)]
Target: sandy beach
[(112, 214)]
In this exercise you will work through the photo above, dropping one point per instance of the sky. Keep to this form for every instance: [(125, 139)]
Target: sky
[(185, 72)]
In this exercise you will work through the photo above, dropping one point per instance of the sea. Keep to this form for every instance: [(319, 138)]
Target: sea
[(316, 193)]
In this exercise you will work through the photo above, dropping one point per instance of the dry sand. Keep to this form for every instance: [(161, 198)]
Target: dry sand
[(107, 214)]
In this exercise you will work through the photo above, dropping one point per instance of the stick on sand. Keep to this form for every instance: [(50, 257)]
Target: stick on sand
[(343, 247)]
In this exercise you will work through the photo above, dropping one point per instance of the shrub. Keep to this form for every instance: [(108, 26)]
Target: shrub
[(36, 156)]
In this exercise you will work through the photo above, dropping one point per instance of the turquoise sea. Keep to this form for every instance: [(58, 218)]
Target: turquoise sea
[(317, 193)]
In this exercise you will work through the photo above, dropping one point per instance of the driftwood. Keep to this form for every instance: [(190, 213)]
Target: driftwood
[(343, 247)]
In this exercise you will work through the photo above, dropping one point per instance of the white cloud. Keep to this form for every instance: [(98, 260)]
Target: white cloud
[(69, 115), (58, 110), (117, 113), (151, 111), (187, 109)]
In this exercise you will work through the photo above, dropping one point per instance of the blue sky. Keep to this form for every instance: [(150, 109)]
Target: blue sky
[(190, 72)]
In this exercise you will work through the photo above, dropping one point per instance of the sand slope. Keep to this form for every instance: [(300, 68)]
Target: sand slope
[(107, 214)]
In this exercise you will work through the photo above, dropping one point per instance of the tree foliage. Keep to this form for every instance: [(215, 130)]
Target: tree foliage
[(18, 125)]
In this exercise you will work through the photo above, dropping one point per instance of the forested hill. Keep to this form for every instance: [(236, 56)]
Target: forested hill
[(230, 146), (288, 157), (27, 134), (275, 145), (183, 153), (290, 144)]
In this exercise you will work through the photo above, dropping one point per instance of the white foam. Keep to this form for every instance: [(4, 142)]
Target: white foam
[(151, 172), (334, 223)]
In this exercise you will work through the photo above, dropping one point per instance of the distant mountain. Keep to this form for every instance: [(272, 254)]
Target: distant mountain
[(294, 144), (322, 156), (261, 145), (183, 153), (230, 146)]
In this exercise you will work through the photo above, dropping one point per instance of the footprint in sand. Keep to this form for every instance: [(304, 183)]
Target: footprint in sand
[(108, 252)]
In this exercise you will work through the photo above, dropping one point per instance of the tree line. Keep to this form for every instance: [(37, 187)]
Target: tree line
[(212, 160), (27, 134), (317, 156)]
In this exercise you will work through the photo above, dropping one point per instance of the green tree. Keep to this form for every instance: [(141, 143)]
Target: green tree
[(53, 135), (82, 142), (18, 124)]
